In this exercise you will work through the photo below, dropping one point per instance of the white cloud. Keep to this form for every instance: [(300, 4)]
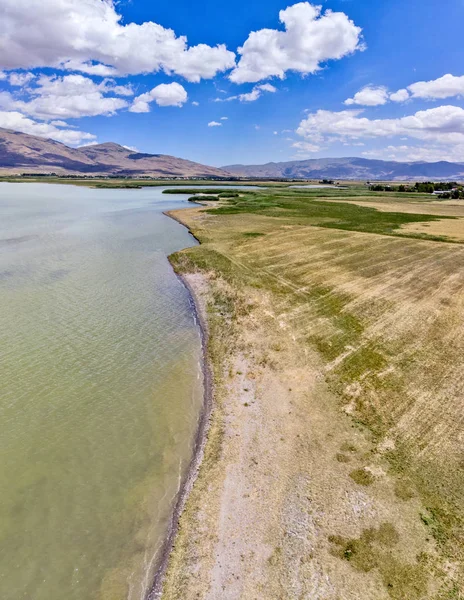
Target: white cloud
[(370, 96), (267, 87), (376, 95), (89, 36), (165, 94), (404, 153), (201, 62), (257, 92), (310, 38), (214, 124), (120, 90), (306, 147), (444, 87), (18, 122), (3, 75), (89, 68), (224, 118), (195, 103), (20, 79), (61, 124), (252, 96), (442, 125), (249, 97), (400, 96), (78, 84), (71, 96), (86, 145)]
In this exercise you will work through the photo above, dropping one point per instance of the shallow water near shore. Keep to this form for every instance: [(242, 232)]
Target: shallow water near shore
[(100, 388)]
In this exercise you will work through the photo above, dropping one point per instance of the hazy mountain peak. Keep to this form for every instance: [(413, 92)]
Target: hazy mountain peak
[(350, 168), (106, 146)]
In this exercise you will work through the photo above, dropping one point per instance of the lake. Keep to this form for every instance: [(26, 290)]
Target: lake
[(100, 390)]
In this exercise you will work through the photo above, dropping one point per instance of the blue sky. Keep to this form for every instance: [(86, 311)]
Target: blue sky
[(249, 83)]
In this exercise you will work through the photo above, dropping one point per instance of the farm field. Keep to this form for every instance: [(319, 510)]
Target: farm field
[(336, 340)]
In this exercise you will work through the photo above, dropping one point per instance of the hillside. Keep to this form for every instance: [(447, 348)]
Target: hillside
[(23, 153), (351, 168)]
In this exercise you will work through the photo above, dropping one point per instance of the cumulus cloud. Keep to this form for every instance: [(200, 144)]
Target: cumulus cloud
[(429, 153), (376, 95), (370, 96), (400, 96), (71, 96), (165, 94), (89, 68), (310, 39), (444, 87), (89, 36), (214, 124), (70, 85), (119, 90), (18, 122), (201, 62), (443, 125), (256, 93), (252, 96), (267, 87), (224, 118), (20, 79), (305, 147)]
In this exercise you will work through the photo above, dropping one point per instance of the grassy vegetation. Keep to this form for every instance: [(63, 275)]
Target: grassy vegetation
[(199, 197), (362, 477), (202, 191), (373, 550), (305, 207), (384, 316), (205, 191)]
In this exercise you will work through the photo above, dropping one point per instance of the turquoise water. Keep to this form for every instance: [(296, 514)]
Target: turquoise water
[(100, 388)]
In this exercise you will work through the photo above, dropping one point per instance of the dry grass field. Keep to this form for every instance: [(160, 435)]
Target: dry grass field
[(334, 466), (452, 229)]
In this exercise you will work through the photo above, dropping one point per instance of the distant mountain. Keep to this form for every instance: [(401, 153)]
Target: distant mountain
[(351, 168), (22, 153)]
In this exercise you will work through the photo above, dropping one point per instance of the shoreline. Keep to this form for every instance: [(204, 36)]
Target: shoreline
[(200, 439)]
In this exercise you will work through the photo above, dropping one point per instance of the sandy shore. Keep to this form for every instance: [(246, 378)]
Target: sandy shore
[(198, 446)]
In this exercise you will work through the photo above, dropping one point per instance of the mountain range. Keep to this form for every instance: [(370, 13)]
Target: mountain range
[(350, 168), (23, 153)]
